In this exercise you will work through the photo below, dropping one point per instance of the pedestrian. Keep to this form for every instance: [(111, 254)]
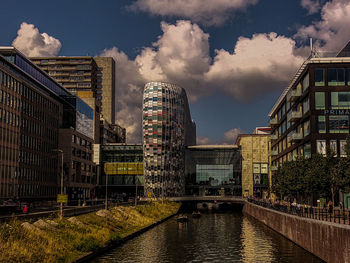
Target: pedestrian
[(330, 207), (25, 209)]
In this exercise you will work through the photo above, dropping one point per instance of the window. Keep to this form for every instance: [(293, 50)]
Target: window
[(319, 100), (342, 144), (321, 124), (340, 100), (333, 146), (321, 147), (336, 77), (306, 105), (338, 124), (306, 82), (319, 77), (306, 128), (348, 76)]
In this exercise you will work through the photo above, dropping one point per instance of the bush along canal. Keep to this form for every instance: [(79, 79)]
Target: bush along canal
[(76, 238)]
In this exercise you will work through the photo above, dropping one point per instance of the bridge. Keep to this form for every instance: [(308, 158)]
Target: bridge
[(210, 199)]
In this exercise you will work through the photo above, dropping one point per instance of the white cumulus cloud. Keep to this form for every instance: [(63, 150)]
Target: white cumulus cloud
[(332, 31), (229, 137), (32, 43), (207, 12), (257, 65)]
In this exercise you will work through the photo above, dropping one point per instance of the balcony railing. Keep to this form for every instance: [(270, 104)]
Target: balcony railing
[(273, 153), (274, 168), (296, 115), (273, 122), (296, 137), (295, 94), (274, 137)]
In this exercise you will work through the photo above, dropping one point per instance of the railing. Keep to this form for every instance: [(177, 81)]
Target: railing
[(324, 214)]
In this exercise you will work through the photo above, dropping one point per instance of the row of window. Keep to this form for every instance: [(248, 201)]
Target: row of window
[(80, 141), (336, 124), (337, 100), (335, 76), (81, 154), (12, 84)]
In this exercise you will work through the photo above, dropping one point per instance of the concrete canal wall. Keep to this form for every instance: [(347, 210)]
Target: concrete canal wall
[(328, 241)]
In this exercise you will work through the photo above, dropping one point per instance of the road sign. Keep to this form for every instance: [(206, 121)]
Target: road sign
[(62, 198)]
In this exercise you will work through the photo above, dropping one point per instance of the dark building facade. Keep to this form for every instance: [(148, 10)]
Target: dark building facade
[(213, 170), (312, 114), (167, 129), (31, 111), (35, 113)]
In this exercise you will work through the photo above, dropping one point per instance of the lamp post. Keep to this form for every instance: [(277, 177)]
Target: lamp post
[(107, 171), (61, 204)]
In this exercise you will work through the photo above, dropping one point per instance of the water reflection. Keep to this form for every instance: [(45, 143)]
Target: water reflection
[(228, 237)]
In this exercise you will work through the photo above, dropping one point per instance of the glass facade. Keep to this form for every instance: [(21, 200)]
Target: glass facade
[(124, 165), (211, 169)]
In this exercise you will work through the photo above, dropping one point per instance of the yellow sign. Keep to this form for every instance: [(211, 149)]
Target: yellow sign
[(124, 168), (62, 198), (149, 194)]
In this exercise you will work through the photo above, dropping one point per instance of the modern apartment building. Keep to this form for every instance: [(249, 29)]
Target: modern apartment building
[(167, 129), (111, 133), (312, 114)]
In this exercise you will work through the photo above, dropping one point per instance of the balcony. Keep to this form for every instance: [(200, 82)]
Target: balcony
[(274, 137), (296, 137), (295, 94), (273, 122), (296, 115), (273, 153), (273, 168)]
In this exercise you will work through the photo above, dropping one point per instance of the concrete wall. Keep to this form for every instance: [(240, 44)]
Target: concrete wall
[(329, 241)]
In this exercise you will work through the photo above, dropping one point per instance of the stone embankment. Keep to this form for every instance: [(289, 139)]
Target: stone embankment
[(328, 241)]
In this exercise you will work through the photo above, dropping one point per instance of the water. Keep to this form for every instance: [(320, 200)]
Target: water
[(222, 237)]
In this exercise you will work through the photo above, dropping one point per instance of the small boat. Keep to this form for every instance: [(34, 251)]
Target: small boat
[(196, 214), (182, 218)]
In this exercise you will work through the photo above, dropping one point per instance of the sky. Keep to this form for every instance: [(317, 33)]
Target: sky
[(233, 57)]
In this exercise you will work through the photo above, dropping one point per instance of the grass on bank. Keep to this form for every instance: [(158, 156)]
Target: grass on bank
[(67, 241)]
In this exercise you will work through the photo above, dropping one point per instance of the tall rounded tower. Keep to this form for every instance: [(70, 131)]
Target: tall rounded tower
[(167, 129)]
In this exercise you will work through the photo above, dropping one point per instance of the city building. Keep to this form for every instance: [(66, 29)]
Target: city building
[(111, 133), (106, 82), (167, 130), (312, 114), (32, 109), (213, 170), (255, 149), (123, 165)]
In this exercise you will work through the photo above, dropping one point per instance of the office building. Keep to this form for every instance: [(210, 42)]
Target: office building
[(167, 129), (312, 114), (255, 149), (32, 109), (213, 170), (123, 165)]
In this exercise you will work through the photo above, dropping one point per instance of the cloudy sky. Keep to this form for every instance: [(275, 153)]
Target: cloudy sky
[(233, 57)]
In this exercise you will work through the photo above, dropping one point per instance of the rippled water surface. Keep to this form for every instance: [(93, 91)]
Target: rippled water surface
[(226, 237)]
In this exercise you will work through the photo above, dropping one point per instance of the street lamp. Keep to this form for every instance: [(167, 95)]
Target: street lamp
[(61, 203)]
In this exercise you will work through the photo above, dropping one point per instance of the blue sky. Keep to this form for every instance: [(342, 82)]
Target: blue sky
[(261, 44)]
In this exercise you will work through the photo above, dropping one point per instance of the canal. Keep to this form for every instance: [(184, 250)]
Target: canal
[(214, 237)]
